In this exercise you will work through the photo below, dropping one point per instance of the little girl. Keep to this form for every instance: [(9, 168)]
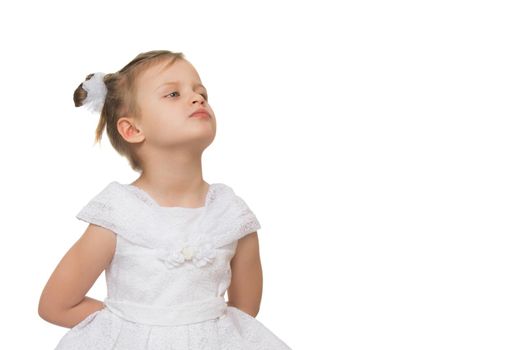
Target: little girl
[(170, 243)]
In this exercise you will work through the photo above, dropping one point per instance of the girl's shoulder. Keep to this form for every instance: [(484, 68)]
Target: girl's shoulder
[(127, 195), (133, 214)]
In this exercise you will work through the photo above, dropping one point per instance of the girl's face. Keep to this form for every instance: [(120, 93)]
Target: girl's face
[(167, 96)]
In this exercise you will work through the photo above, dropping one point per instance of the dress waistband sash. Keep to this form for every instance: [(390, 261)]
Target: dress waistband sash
[(198, 311)]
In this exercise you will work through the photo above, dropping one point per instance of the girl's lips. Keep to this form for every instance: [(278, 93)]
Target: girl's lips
[(201, 112), (200, 115)]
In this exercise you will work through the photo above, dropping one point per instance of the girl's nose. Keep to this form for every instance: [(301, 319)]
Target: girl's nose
[(198, 98)]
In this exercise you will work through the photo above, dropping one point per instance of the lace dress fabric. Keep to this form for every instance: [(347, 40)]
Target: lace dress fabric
[(168, 276)]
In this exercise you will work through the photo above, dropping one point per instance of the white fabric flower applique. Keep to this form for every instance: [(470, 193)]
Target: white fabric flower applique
[(199, 255)]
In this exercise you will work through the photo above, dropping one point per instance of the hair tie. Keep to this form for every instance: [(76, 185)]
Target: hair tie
[(96, 92)]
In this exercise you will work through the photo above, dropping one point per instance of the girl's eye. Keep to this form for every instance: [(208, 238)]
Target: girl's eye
[(175, 92)]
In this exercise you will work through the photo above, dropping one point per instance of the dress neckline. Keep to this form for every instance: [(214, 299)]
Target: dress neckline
[(146, 197)]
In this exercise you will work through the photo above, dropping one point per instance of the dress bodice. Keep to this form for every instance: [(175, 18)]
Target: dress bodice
[(171, 265)]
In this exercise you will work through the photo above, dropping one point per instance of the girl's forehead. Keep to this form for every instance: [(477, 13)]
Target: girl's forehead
[(161, 73)]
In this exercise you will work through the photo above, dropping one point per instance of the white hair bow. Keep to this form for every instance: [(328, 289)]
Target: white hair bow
[(96, 92)]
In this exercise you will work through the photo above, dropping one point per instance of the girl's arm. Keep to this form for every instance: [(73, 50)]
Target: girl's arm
[(245, 290), (63, 301)]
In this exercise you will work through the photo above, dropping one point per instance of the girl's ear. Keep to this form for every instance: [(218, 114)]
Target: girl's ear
[(129, 130)]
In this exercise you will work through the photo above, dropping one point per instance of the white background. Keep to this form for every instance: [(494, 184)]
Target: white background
[(380, 144)]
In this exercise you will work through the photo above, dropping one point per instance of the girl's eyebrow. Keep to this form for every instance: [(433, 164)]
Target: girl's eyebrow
[(176, 83)]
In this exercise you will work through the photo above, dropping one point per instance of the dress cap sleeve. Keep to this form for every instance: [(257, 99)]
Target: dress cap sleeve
[(247, 222), (100, 210), (230, 218), (112, 209)]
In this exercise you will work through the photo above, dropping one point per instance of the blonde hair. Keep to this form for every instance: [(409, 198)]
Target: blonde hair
[(120, 99)]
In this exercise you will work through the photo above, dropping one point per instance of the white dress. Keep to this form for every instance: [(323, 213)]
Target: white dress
[(167, 279)]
